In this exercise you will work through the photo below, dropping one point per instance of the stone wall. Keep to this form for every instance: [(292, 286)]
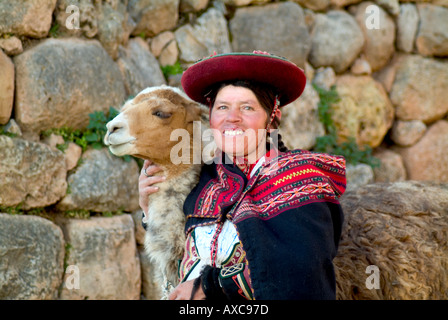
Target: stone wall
[(61, 60)]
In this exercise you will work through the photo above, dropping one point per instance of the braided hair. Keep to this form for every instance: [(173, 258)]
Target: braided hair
[(266, 96)]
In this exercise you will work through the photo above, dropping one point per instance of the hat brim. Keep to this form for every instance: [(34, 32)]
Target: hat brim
[(287, 78)]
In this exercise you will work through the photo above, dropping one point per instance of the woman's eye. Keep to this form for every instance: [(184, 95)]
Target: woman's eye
[(248, 108)]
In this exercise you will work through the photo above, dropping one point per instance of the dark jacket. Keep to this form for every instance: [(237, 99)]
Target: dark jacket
[(287, 216)]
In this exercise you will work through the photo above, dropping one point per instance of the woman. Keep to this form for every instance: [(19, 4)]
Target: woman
[(263, 222)]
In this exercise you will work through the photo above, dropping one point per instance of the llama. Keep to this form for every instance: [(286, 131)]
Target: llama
[(400, 231), (143, 129)]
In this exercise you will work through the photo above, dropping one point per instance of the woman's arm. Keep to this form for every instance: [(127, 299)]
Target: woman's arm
[(187, 291), (216, 284)]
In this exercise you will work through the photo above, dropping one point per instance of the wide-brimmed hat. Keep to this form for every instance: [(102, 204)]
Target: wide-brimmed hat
[(283, 75)]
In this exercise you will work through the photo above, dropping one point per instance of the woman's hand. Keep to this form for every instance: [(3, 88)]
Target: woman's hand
[(145, 183), (183, 292)]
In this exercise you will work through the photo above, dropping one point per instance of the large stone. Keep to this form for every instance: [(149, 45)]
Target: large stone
[(364, 110), (427, 159), (313, 4), (139, 231), (11, 45), (160, 42), (72, 155), (300, 125), (32, 258), (432, 36), (419, 89), (208, 35), (391, 6), (399, 229), (443, 3), (361, 67), (336, 40), (151, 289), (61, 81), (407, 25), (386, 76), (391, 167), (277, 28), (103, 182), (139, 67), (192, 5), (169, 55), (343, 3), (114, 26), (241, 3), (153, 16), (358, 175), (164, 48), (379, 44), (30, 18), (31, 174), (6, 87), (406, 133), (324, 78), (103, 255), (109, 21)]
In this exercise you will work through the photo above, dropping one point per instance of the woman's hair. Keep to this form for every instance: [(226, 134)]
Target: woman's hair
[(266, 97)]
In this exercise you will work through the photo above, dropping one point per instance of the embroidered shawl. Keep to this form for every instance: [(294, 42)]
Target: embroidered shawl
[(287, 216)]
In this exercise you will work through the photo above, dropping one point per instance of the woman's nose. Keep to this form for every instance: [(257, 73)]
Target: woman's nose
[(234, 114)]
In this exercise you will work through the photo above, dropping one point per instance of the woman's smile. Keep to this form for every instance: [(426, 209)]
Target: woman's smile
[(233, 132), (238, 121)]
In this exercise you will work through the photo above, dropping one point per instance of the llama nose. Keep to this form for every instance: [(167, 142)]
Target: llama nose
[(114, 126)]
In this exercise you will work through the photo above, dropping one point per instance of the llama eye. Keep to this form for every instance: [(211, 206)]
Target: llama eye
[(162, 115)]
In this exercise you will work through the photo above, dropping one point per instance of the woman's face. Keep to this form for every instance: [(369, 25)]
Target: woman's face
[(238, 122)]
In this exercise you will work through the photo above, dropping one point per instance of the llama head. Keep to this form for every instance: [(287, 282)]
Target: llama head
[(145, 124)]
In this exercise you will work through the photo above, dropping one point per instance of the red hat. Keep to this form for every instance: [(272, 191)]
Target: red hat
[(287, 78)]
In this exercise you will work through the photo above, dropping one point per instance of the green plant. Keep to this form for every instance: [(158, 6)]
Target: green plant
[(171, 70), (69, 135), (328, 143), (67, 248), (91, 136), (54, 30), (4, 131), (109, 214), (97, 127), (17, 210), (7, 35), (77, 214)]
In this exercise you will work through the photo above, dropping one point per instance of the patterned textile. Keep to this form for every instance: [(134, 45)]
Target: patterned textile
[(288, 220), (203, 248), (237, 277), (291, 180)]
